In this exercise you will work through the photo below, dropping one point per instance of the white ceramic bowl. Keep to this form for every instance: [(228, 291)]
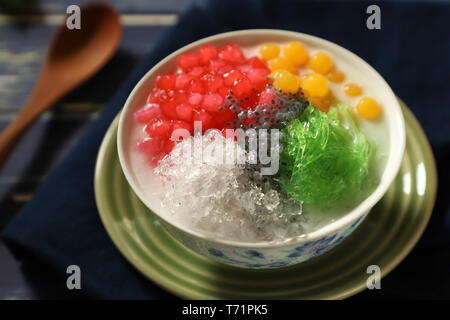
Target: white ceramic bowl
[(389, 137)]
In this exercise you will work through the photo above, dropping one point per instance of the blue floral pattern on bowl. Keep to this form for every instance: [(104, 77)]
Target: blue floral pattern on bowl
[(270, 257)]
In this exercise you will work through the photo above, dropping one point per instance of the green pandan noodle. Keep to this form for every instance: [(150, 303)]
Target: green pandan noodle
[(325, 157)]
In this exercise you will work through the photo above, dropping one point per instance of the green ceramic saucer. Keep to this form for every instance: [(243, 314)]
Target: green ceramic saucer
[(384, 238)]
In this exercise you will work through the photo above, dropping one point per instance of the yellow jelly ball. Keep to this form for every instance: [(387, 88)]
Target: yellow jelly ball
[(368, 108), (315, 85), (269, 51), (282, 63), (323, 104), (286, 81), (352, 90), (277, 73), (336, 76), (296, 52), (320, 62)]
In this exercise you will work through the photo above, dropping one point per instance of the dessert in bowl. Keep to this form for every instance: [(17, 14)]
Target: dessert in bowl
[(261, 148)]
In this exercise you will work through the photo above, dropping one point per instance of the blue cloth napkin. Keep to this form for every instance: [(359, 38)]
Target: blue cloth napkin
[(60, 225)]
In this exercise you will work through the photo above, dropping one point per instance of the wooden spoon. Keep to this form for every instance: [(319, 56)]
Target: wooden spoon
[(73, 56)]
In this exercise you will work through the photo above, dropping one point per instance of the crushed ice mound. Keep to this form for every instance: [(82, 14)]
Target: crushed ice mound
[(216, 191)]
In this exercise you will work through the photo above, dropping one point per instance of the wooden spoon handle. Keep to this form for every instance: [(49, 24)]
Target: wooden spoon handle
[(41, 97), (12, 133)]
